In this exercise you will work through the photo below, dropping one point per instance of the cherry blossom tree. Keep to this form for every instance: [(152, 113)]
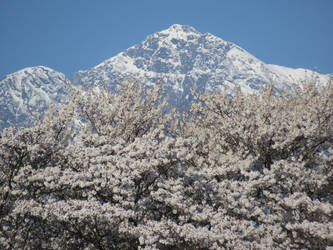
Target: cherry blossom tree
[(123, 170)]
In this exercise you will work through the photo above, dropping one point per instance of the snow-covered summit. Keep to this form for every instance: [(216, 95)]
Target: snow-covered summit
[(29, 90), (181, 28), (179, 32)]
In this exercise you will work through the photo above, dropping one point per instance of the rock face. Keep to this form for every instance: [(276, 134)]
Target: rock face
[(179, 56), (29, 90)]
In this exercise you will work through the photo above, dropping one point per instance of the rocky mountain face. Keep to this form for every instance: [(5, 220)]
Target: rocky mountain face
[(29, 91), (179, 56)]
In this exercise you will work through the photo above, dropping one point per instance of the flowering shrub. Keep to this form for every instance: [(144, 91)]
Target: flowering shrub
[(115, 171)]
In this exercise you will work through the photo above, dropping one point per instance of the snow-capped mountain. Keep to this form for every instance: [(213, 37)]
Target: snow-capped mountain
[(180, 57), (183, 58), (29, 90)]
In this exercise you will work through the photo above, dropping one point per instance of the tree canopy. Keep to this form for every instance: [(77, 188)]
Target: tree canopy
[(116, 171)]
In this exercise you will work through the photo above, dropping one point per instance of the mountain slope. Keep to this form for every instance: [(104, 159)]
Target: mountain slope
[(29, 90)]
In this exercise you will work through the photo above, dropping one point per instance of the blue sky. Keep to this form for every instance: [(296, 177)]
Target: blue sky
[(72, 35)]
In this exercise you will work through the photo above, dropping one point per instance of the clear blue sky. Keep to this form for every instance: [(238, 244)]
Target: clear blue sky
[(69, 35)]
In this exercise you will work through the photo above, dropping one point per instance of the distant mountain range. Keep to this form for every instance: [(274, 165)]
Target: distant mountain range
[(179, 56)]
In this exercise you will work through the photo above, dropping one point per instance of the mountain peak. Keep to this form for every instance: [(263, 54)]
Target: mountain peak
[(177, 31), (29, 90), (184, 57), (29, 71), (181, 28)]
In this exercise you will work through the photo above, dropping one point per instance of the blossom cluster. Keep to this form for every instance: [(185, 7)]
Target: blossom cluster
[(123, 170)]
